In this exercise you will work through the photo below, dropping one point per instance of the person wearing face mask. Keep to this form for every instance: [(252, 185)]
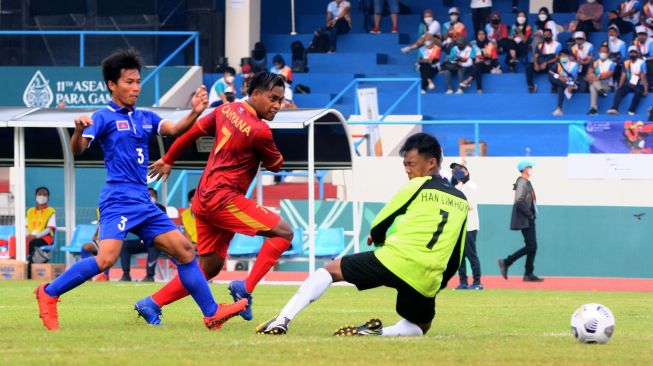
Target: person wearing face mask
[(485, 61), (480, 13), (518, 40), (588, 17), (246, 72), (429, 62), (427, 25), (279, 67), (460, 180), (223, 91), (497, 32), (41, 223), (393, 6), (543, 22), (452, 30), (563, 78), (135, 246), (583, 51), (545, 56), (461, 61), (633, 80), (600, 78), (524, 212), (644, 44), (626, 15)]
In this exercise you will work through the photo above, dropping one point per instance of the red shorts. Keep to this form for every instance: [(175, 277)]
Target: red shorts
[(240, 215)]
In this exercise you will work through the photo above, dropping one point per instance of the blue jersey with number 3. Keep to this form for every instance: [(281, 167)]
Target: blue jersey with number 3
[(124, 136), (125, 204)]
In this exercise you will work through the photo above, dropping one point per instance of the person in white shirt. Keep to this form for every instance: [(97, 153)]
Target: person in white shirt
[(427, 25), (338, 21), (633, 80), (460, 180), (600, 78), (461, 61), (480, 13)]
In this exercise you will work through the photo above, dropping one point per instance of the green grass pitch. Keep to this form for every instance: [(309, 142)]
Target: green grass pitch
[(491, 327)]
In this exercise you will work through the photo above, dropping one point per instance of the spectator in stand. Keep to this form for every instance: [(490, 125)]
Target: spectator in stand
[(41, 223), (393, 6), (338, 21), (633, 80), (519, 40), (617, 49), (461, 61), (452, 29), (188, 220), (647, 9), (279, 67), (544, 21), (563, 78), (497, 32), (480, 13), (600, 78), (428, 25), (583, 52), (647, 23), (223, 91), (644, 44), (288, 96), (486, 61), (626, 16), (246, 71), (588, 17), (545, 56), (429, 62)]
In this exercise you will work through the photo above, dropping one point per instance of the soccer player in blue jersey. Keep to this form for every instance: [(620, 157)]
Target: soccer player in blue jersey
[(124, 132)]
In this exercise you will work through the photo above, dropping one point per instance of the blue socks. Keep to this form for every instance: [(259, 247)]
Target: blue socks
[(79, 273), (195, 283)]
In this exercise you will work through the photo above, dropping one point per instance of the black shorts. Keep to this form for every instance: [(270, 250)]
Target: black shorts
[(365, 271)]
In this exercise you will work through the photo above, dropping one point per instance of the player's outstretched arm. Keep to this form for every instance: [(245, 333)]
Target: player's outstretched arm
[(199, 102), (79, 143)]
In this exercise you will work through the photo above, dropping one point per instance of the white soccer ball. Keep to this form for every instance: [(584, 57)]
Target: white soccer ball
[(592, 323)]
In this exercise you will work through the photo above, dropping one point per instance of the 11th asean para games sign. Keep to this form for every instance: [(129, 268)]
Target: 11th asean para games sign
[(58, 87)]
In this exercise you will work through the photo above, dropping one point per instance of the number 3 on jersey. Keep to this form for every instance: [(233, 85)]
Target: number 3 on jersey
[(438, 231), (141, 157)]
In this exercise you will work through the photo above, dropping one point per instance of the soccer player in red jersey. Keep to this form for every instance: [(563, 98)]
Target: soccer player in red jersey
[(242, 142)]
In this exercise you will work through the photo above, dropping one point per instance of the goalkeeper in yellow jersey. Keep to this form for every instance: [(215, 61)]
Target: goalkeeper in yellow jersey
[(420, 235)]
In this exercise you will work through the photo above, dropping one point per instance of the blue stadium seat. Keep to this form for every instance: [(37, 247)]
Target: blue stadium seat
[(82, 235), (297, 244), (245, 246), (329, 242)]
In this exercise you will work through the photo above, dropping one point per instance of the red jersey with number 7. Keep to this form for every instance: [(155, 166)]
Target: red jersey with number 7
[(242, 142)]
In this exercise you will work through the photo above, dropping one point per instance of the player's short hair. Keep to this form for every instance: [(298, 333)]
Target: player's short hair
[(425, 144), (42, 188), (191, 194), (127, 59), (152, 190), (265, 81)]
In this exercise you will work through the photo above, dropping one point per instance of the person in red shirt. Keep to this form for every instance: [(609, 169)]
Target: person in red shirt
[(242, 142)]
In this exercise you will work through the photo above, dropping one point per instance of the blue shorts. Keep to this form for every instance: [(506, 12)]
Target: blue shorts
[(123, 211), (393, 6)]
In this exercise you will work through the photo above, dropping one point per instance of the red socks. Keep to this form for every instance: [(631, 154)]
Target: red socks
[(270, 252), (171, 292)]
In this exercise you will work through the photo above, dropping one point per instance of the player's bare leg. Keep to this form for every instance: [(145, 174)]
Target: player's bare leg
[(280, 237)]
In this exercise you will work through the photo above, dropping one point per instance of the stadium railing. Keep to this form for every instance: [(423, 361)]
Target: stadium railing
[(192, 37)]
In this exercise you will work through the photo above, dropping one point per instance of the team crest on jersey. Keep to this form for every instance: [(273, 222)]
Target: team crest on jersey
[(122, 125)]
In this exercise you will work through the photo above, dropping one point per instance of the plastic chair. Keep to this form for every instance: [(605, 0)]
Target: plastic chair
[(329, 242), (297, 244), (82, 235), (53, 246), (245, 246), (6, 232)]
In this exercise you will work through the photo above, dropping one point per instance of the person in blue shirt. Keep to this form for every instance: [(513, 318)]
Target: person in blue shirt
[(124, 133)]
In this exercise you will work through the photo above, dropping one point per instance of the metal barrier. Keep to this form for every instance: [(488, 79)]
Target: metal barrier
[(192, 37), (469, 122)]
